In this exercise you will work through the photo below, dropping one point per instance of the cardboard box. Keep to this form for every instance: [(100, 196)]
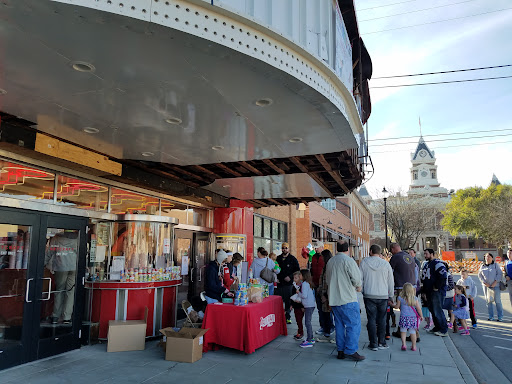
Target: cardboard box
[(184, 346), (127, 335)]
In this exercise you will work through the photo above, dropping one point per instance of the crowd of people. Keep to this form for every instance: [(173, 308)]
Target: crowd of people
[(421, 291)]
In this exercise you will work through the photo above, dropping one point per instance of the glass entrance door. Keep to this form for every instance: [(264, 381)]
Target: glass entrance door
[(61, 282), (18, 256), (200, 260), (42, 264)]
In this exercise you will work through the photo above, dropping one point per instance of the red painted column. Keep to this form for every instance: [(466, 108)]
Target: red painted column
[(237, 220)]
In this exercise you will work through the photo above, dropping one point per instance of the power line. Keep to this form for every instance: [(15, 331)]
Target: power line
[(387, 5), (434, 22), (441, 72), (450, 146), (444, 82), (448, 139), (442, 134), (417, 10)]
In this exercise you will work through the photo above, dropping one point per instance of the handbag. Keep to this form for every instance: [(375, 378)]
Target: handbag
[(267, 274), (503, 286)]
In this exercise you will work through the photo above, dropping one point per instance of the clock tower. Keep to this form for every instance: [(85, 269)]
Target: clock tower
[(424, 172)]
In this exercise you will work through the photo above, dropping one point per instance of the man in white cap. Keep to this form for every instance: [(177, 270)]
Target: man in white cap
[(213, 286)]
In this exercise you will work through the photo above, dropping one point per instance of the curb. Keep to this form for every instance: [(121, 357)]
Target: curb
[(463, 368)]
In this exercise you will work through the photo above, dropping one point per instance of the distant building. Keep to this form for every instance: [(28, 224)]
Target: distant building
[(424, 183), (424, 173)]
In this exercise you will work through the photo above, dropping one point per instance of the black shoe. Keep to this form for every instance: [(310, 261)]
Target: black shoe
[(355, 356), (396, 334), (408, 338), (341, 355), (55, 320), (66, 322)]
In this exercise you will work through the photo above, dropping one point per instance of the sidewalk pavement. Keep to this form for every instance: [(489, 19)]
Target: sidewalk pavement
[(281, 361)]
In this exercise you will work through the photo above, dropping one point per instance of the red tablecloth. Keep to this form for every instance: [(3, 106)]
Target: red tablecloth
[(245, 328)]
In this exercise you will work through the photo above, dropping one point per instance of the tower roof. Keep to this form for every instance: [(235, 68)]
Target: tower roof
[(363, 191), (495, 180), (422, 145)]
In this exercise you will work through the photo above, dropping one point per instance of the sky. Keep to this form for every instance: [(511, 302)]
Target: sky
[(454, 117)]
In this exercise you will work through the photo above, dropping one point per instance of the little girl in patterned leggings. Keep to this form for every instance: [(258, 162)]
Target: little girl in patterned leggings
[(410, 315)]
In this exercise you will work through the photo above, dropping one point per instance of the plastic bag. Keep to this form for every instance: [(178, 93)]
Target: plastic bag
[(255, 294), (296, 298)]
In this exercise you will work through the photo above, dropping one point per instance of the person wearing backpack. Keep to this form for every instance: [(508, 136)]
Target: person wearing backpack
[(490, 276), (259, 264)]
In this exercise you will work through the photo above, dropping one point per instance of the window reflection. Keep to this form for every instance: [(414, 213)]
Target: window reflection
[(132, 203), (82, 194), (25, 183)]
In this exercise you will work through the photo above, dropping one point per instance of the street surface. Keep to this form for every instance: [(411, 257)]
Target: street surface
[(494, 338)]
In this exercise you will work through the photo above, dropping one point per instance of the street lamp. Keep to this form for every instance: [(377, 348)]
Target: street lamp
[(386, 194)]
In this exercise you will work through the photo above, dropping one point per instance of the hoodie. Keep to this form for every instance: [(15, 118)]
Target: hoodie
[(213, 287), (377, 277), (470, 286), (258, 265), (489, 273)]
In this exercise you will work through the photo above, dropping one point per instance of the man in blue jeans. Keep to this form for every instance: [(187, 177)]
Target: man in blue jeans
[(433, 278), (378, 288), (344, 280)]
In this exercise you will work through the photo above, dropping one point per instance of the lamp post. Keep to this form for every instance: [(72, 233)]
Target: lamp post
[(386, 194)]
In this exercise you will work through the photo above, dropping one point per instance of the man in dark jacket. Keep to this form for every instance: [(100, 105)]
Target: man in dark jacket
[(213, 287), (433, 278), (288, 264), (404, 271)]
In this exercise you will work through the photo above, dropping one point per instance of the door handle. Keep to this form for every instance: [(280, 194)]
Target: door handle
[(49, 288), (192, 275), (200, 274), (28, 289)]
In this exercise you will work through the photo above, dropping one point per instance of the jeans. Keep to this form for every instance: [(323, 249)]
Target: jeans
[(209, 300), (285, 291), (299, 315), (435, 305), (325, 318), (64, 295), (376, 326), (497, 300), (472, 311), (509, 289), (308, 314), (348, 327), (321, 315), (271, 289)]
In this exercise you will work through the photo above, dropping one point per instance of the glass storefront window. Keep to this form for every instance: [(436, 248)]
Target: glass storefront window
[(275, 230), (282, 231), (82, 194), (176, 210), (26, 183), (257, 226), (197, 216), (266, 228), (132, 203)]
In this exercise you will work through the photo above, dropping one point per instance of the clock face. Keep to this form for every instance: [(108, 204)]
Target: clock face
[(423, 153), (424, 173)]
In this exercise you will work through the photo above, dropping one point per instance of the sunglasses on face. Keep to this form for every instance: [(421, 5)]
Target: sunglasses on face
[(284, 248)]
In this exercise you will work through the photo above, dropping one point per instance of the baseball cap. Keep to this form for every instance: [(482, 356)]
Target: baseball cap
[(318, 244)]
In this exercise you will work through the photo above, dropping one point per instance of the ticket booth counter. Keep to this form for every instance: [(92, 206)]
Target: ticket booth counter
[(131, 268)]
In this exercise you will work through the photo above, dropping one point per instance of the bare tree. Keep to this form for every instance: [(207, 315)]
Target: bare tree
[(408, 218)]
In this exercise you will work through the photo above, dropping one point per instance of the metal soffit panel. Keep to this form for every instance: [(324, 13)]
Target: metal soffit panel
[(269, 187), (147, 73)]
